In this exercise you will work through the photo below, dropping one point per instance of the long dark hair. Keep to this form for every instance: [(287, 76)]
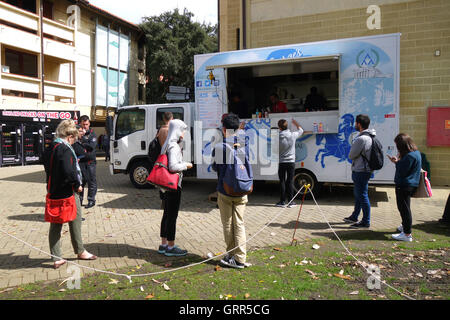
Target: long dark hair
[(405, 144)]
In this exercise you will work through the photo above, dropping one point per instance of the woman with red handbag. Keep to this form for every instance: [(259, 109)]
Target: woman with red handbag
[(172, 148), (63, 186)]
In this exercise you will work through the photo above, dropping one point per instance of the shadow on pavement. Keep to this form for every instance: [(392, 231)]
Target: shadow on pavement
[(34, 177), (10, 262), (433, 227), (28, 217), (111, 250)]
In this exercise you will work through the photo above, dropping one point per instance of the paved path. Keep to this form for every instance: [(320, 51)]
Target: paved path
[(123, 228)]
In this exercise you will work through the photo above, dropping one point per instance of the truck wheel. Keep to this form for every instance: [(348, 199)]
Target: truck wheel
[(306, 177), (139, 172)]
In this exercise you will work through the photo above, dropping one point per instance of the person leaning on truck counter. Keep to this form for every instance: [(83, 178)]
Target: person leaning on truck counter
[(315, 101), (277, 106)]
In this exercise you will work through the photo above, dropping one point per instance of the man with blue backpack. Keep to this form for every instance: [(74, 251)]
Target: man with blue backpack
[(235, 182)]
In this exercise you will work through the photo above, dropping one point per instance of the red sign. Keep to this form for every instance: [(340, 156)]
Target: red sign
[(438, 127)]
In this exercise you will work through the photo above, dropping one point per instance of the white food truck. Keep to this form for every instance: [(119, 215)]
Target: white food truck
[(353, 76)]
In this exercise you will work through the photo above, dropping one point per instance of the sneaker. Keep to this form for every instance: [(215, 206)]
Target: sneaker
[(360, 225), (225, 260), (350, 219), (280, 204), (292, 205), (400, 229), (162, 249), (175, 252), (402, 237), (232, 263)]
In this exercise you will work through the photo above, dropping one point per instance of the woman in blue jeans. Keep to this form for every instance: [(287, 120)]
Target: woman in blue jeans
[(407, 176)]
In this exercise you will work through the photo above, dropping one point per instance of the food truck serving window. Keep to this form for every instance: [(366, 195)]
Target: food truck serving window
[(305, 88)]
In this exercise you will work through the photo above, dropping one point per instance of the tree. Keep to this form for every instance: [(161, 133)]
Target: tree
[(172, 40)]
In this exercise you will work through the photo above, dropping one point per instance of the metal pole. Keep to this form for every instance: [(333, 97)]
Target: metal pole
[(118, 71), (107, 68), (41, 21)]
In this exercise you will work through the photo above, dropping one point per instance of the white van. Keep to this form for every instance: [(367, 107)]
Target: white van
[(354, 76)]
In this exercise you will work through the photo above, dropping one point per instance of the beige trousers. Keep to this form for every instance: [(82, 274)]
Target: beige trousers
[(232, 215)]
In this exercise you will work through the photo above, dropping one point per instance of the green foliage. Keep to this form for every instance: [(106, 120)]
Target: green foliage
[(172, 40)]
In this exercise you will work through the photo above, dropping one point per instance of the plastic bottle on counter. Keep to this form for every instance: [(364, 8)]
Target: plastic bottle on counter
[(257, 113), (320, 127), (315, 127)]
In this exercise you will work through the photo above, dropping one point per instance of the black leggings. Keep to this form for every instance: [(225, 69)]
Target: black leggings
[(286, 174), (403, 196), (171, 204)]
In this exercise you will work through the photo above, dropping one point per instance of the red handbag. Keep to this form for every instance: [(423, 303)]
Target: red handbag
[(59, 210), (161, 177)]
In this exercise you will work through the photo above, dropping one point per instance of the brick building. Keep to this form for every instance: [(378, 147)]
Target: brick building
[(62, 59), (424, 48)]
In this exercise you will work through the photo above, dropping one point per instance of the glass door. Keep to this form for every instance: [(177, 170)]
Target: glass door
[(32, 144), (10, 142)]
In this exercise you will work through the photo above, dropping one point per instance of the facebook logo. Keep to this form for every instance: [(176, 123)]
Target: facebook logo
[(199, 84)]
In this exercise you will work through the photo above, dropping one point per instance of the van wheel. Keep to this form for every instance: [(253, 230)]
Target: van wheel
[(306, 177), (139, 172)]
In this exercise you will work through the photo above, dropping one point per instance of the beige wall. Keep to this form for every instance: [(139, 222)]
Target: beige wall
[(424, 25), (55, 69)]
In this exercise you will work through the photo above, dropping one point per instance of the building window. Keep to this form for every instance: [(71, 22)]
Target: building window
[(141, 92), (141, 49), (21, 63), (28, 5), (48, 9)]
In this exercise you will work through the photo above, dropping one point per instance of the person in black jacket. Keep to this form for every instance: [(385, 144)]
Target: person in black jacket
[(89, 142), (61, 165), (83, 158)]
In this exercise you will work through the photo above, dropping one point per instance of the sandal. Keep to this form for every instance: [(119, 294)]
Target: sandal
[(57, 265), (89, 257)]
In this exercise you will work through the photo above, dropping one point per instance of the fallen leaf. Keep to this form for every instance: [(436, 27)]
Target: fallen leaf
[(277, 249), (113, 281), (341, 272), (150, 296), (282, 265), (167, 265), (166, 287), (316, 246), (217, 268), (138, 267), (342, 276), (272, 234), (433, 272), (271, 257), (354, 292), (310, 272), (61, 290), (419, 275), (142, 288), (247, 295)]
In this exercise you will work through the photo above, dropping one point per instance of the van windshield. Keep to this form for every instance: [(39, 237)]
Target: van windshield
[(129, 121)]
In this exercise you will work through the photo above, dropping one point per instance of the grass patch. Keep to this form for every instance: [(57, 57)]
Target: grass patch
[(419, 269)]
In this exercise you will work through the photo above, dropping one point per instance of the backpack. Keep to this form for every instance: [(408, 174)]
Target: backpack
[(238, 176), (154, 149), (376, 160)]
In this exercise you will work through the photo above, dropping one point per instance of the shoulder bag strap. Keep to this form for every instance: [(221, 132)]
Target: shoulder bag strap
[(51, 168)]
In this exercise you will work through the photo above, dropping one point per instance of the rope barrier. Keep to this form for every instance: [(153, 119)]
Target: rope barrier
[(129, 277)]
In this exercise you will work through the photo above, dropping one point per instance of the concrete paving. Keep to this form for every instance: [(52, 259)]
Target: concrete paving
[(123, 228)]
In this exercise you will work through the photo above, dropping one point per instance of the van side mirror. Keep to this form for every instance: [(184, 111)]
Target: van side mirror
[(109, 126)]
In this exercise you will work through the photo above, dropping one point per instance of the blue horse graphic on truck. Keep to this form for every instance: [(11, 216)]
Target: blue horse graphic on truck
[(337, 145)]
